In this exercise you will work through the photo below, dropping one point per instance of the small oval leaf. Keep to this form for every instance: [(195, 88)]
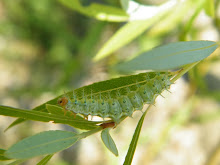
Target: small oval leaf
[(170, 56), (42, 143), (109, 142)]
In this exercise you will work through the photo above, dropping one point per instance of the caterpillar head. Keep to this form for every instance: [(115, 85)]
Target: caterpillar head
[(62, 101)]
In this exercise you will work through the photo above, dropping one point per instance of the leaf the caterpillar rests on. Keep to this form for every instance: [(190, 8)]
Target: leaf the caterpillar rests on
[(117, 97)]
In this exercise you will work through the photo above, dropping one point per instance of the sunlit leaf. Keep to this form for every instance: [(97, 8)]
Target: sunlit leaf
[(174, 18), (137, 11), (109, 142), (124, 4), (98, 11), (43, 143), (210, 8), (126, 34), (170, 56), (188, 25)]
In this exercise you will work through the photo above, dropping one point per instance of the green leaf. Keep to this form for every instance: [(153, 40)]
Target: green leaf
[(16, 162), (125, 35), (170, 56), (42, 143), (188, 25), (133, 144), (2, 156), (45, 160), (98, 11), (14, 123), (137, 11), (41, 107), (124, 4), (109, 142), (133, 29), (209, 6), (173, 19), (46, 117), (53, 109)]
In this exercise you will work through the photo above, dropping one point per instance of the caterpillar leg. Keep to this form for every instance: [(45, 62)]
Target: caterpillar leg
[(85, 117), (65, 111), (74, 114), (108, 125)]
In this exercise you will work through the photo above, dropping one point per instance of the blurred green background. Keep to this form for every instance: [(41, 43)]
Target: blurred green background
[(46, 48)]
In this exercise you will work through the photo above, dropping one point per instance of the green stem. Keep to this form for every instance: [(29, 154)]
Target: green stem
[(88, 133), (183, 71)]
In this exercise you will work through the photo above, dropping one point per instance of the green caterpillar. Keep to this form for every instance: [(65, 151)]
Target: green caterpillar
[(117, 97)]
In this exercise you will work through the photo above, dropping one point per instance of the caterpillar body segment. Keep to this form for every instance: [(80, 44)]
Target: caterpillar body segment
[(136, 100), (147, 94), (115, 109), (117, 97), (126, 105), (93, 107), (103, 108)]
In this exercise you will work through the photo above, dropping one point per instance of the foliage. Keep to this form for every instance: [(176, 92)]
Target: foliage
[(53, 141), (182, 56)]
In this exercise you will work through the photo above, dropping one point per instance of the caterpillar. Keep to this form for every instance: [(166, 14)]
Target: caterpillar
[(117, 97)]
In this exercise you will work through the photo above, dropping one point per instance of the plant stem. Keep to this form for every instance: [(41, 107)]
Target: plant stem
[(183, 71), (88, 133)]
